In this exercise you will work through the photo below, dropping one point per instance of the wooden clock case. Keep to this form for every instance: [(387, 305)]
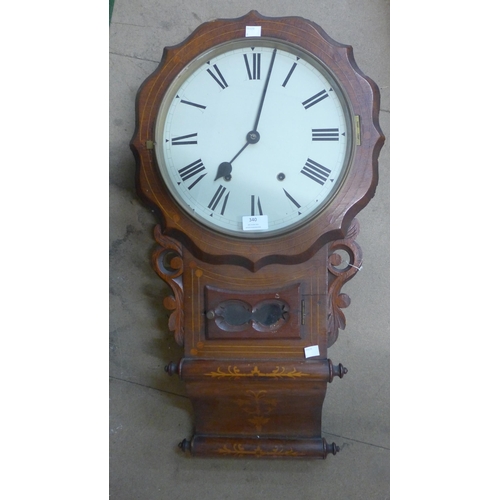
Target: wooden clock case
[(245, 310)]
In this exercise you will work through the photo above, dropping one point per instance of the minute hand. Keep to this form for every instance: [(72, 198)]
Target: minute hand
[(253, 137), (264, 91)]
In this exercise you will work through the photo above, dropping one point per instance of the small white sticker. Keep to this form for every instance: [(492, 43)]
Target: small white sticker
[(311, 351), (253, 31), (255, 222)]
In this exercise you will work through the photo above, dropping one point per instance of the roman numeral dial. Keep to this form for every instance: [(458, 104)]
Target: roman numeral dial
[(256, 128)]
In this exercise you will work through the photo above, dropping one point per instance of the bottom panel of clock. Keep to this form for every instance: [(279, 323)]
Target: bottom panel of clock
[(237, 447), (264, 399), (259, 408)]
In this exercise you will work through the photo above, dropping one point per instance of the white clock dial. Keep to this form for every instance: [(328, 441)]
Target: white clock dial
[(254, 138)]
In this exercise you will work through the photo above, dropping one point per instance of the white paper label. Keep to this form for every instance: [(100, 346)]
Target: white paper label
[(311, 351), (253, 30), (255, 222)]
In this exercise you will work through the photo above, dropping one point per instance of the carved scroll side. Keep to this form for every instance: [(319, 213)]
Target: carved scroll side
[(341, 272), (168, 263)]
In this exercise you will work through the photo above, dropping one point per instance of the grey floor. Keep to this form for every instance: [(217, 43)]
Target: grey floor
[(149, 412)]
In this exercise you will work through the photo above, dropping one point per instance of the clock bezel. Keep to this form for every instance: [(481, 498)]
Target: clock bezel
[(332, 222), (189, 70)]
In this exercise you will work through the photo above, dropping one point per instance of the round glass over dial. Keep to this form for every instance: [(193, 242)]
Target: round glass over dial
[(254, 138)]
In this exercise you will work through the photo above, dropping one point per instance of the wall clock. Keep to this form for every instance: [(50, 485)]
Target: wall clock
[(256, 144)]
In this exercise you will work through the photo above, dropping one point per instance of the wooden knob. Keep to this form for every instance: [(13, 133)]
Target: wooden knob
[(332, 448), (185, 445), (336, 370), (172, 368)]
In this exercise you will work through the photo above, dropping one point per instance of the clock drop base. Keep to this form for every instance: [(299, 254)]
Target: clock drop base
[(256, 390), (259, 409)]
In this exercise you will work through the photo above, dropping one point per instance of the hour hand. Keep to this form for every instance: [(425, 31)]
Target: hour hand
[(224, 170)]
